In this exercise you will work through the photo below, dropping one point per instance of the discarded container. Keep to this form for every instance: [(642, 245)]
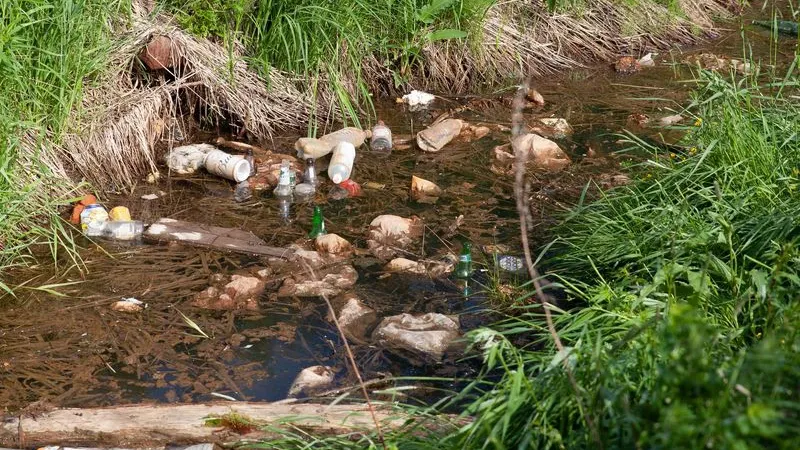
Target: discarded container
[(310, 172), (418, 98), (304, 192), (87, 199), (510, 263), (285, 209), (225, 165), (464, 267), (433, 138), (242, 193), (186, 159), (93, 220), (123, 230), (284, 188), (317, 148), (381, 140), (317, 224), (341, 164), (252, 161), (119, 213)]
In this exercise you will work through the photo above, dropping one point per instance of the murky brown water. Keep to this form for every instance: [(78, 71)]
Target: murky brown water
[(75, 351)]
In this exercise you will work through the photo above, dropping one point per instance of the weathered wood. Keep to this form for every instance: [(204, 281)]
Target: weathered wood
[(139, 426), (201, 235)]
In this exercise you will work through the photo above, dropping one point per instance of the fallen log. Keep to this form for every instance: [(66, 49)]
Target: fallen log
[(141, 426)]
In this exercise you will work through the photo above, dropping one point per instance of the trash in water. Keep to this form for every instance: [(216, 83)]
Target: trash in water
[(338, 193), (464, 267), (310, 172), (225, 165), (317, 224), (353, 189), (374, 186), (647, 60), (317, 148), (153, 177), (129, 304), (93, 220), (222, 396), (252, 161), (433, 138), (285, 209), (418, 98), (510, 263), (381, 140), (87, 199), (186, 159), (284, 188), (123, 230), (304, 192), (670, 120), (424, 191), (341, 164), (119, 213), (242, 192), (149, 196), (535, 97)]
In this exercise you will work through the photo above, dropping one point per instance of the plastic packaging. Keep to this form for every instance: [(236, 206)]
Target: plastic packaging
[(341, 164), (317, 148), (225, 165), (93, 220), (284, 188), (123, 230), (381, 140), (510, 263), (119, 213)]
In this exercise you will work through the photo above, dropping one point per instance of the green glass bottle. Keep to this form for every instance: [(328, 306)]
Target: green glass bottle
[(317, 224), (464, 267)]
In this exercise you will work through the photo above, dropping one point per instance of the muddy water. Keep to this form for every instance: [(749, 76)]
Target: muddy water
[(73, 350)]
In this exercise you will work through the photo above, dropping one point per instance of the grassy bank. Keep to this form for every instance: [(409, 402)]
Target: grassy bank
[(48, 51)]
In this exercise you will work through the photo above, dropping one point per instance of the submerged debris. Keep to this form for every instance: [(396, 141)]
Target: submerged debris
[(419, 339), (433, 138), (311, 379)]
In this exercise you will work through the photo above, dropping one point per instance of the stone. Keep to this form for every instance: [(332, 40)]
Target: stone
[(388, 233), (355, 318), (430, 268), (157, 54), (333, 244), (311, 379), (329, 282), (534, 97), (218, 299), (552, 127), (420, 339)]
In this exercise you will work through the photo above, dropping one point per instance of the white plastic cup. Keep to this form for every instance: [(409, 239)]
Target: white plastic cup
[(341, 164), (225, 165)]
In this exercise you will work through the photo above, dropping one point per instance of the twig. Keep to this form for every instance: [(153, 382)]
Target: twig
[(520, 160)]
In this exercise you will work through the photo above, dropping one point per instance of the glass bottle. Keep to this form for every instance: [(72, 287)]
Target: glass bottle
[(317, 224), (310, 173), (252, 161), (284, 188), (464, 267)]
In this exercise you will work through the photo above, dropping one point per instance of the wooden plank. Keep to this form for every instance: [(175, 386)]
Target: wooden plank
[(210, 236), (138, 426)]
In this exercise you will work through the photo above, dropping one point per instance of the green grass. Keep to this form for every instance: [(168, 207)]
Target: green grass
[(48, 51)]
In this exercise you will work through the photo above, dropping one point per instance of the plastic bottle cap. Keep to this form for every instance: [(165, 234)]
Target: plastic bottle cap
[(337, 178)]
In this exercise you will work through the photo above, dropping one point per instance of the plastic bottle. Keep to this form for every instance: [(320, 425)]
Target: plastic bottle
[(464, 267), (252, 161), (123, 230), (317, 224), (93, 220), (381, 140), (310, 173), (341, 162), (284, 188)]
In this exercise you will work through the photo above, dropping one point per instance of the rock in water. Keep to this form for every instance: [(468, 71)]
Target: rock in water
[(311, 379), (433, 138), (387, 233), (355, 318), (420, 339), (556, 128), (329, 282)]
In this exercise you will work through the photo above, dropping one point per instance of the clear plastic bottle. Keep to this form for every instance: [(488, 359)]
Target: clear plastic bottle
[(284, 188), (341, 164), (93, 220), (381, 141), (123, 230)]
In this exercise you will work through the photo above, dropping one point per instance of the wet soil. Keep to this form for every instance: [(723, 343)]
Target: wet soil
[(74, 350)]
